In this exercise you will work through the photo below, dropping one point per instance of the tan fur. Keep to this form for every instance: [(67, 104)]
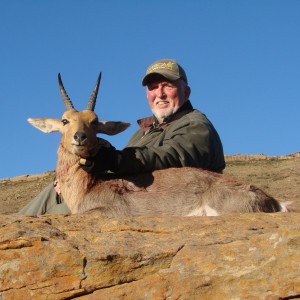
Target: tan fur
[(174, 191)]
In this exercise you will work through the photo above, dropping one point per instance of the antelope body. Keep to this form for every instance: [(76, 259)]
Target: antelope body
[(174, 191)]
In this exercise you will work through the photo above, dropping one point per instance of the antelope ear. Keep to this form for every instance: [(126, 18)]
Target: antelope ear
[(46, 125), (111, 128)]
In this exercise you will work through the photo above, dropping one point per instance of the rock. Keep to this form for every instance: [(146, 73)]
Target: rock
[(249, 256)]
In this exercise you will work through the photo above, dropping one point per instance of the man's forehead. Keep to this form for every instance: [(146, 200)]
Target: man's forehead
[(160, 79)]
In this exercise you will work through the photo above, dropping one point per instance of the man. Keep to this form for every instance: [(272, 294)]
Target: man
[(176, 135)]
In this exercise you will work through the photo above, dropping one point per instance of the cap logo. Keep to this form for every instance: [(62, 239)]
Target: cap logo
[(161, 65)]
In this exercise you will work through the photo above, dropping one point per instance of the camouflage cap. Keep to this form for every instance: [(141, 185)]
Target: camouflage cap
[(168, 68)]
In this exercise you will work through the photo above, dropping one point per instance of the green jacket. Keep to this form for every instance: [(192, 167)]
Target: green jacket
[(187, 139)]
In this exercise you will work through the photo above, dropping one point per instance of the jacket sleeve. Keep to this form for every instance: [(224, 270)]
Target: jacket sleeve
[(185, 144)]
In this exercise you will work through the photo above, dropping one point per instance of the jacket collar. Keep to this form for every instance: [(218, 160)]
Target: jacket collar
[(151, 122)]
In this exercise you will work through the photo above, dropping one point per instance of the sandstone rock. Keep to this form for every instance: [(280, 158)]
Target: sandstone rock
[(250, 256)]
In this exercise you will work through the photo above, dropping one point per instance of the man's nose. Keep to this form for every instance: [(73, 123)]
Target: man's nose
[(160, 91)]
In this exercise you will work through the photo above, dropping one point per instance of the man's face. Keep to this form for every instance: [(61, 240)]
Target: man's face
[(166, 97)]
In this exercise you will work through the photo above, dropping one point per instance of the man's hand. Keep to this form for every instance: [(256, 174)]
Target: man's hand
[(105, 160), (56, 186)]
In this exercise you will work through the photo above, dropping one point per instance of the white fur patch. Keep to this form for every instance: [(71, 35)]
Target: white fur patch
[(203, 211), (285, 206)]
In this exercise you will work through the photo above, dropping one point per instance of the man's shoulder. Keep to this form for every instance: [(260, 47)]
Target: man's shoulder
[(195, 116)]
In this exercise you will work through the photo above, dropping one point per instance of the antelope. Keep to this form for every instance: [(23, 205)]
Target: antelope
[(175, 191)]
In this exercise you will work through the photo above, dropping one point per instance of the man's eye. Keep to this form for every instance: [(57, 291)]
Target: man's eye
[(152, 86), (65, 122), (170, 86)]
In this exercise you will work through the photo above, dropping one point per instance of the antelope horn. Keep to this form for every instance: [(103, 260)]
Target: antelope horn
[(92, 102), (67, 101)]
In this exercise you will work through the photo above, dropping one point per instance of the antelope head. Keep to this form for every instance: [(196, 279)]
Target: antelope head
[(79, 128)]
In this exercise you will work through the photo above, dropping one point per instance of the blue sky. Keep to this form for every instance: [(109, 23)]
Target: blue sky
[(241, 57)]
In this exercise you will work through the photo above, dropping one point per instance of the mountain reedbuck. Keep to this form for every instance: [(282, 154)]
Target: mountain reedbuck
[(174, 191)]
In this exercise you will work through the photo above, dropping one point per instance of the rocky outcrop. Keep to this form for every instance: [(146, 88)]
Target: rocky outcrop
[(250, 256)]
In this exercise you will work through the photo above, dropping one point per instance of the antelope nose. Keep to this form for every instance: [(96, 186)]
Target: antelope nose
[(80, 137)]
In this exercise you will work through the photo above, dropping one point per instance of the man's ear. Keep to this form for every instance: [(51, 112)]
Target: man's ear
[(111, 128), (187, 91), (46, 125)]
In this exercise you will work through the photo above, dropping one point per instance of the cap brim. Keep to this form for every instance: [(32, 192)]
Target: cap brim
[(167, 75)]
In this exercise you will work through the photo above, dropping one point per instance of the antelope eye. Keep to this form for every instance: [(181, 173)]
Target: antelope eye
[(65, 122)]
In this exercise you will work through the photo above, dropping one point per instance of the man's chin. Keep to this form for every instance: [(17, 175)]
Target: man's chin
[(162, 113)]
